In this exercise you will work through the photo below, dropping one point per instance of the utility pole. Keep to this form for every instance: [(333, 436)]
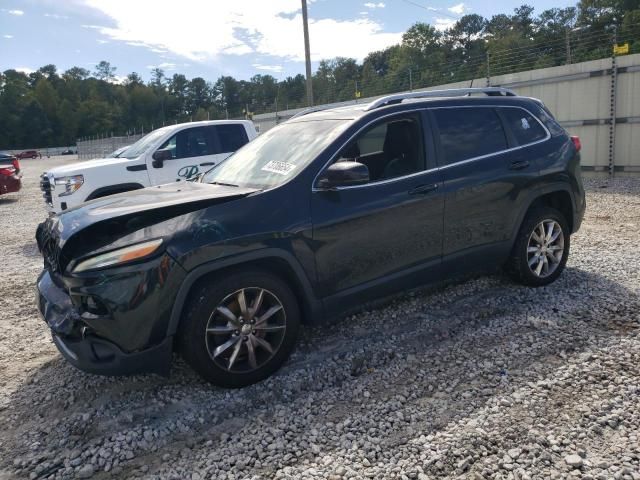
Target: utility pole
[(488, 70), (307, 53), (612, 107), (568, 42), (410, 81)]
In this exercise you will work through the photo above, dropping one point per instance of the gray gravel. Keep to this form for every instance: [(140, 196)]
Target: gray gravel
[(477, 379)]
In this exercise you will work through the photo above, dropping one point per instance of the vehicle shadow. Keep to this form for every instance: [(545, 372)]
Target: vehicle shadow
[(7, 200), (450, 351)]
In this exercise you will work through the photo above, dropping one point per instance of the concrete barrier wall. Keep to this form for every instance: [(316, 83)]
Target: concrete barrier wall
[(579, 95)]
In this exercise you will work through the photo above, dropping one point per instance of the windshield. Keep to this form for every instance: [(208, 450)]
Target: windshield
[(143, 144), (277, 155)]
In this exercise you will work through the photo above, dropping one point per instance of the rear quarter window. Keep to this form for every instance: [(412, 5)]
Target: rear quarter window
[(524, 126)]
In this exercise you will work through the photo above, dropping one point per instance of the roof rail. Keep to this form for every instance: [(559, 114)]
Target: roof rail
[(311, 110), (453, 92)]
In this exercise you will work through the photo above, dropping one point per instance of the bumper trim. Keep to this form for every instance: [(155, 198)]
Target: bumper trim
[(95, 355)]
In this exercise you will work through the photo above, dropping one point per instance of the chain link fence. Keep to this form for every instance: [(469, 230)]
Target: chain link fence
[(103, 147)]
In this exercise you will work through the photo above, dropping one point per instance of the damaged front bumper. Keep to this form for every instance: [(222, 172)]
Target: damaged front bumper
[(80, 346)]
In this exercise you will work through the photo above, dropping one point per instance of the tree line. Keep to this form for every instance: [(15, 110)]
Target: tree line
[(49, 108)]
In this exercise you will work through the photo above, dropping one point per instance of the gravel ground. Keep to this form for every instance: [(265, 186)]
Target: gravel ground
[(478, 379)]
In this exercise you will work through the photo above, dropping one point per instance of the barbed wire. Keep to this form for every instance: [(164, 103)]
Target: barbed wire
[(571, 47)]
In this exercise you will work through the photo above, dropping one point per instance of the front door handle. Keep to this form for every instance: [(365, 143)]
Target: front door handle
[(519, 165), (423, 189)]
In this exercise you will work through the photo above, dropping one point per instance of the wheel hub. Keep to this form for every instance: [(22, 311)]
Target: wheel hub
[(545, 248), (245, 330)]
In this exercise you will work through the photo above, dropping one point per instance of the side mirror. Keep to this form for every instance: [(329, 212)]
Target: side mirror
[(159, 156), (344, 174)]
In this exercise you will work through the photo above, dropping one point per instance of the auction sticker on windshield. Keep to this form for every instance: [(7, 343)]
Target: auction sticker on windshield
[(276, 166)]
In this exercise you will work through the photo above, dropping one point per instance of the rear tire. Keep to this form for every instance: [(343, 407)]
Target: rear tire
[(541, 248), (239, 329)]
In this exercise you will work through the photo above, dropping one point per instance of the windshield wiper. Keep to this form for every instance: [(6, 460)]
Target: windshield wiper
[(223, 184)]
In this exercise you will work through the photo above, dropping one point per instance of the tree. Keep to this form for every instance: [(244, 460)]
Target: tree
[(199, 95), (104, 71), (75, 73), (157, 78), (133, 79), (46, 108)]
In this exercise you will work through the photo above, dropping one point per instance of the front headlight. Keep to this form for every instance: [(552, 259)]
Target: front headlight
[(119, 256), (70, 184)]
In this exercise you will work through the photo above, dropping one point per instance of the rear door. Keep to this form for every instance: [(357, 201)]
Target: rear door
[(474, 155)]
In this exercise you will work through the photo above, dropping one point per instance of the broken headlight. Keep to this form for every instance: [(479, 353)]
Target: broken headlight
[(119, 256)]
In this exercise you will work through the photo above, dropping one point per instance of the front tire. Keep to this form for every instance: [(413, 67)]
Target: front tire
[(541, 248), (240, 329)]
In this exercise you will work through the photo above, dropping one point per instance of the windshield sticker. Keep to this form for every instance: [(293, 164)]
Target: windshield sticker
[(525, 123), (276, 166)]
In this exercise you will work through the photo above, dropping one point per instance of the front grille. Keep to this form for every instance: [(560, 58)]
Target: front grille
[(45, 186), (48, 245)]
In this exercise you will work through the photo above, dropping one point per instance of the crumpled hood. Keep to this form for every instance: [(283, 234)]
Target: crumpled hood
[(161, 202)]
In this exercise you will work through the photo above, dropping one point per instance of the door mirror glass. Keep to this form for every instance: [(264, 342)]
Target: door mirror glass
[(344, 174)]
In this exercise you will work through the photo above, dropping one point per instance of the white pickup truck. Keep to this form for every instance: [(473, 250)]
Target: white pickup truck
[(169, 154)]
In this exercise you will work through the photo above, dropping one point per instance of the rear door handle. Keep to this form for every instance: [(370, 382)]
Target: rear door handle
[(423, 189), (207, 164), (519, 165)]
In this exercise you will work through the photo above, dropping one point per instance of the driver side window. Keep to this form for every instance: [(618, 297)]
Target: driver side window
[(192, 142), (391, 149)]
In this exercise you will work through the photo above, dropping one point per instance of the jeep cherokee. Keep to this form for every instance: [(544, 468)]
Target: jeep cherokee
[(317, 216)]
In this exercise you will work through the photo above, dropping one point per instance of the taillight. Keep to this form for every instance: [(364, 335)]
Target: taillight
[(576, 143)]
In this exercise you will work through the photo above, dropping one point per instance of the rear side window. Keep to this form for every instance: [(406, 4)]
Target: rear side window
[(469, 132), (231, 137), (524, 126)]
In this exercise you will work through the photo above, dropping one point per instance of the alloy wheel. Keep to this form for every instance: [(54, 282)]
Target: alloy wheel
[(245, 330), (545, 248)]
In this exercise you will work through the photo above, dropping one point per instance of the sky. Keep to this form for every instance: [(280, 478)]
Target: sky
[(210, 38)]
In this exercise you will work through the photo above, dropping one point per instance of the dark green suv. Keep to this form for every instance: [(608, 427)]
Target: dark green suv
[(321, 214)]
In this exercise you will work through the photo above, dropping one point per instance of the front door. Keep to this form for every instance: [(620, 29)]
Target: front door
[(370, 239), (195, 150)]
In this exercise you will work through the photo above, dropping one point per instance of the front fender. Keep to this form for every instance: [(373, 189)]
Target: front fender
[(312, 306)]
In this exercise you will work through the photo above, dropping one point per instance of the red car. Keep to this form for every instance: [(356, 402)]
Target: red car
[(10, 176), (29, 154)]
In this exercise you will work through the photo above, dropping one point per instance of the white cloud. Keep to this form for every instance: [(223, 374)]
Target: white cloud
[(118, 79), (443, 24), (101, 41), (7, 36), (238, 28), (56, 16), (17, 13), (269, 68), (374, 5), (458, 9), (26, 70), (163, 66)]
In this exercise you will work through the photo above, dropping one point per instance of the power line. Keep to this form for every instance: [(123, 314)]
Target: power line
[(431, 9)]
